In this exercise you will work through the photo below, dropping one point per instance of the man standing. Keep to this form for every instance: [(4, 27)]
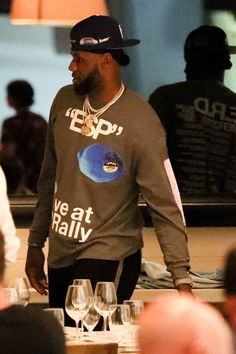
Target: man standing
[(105, 144), (199, 116)]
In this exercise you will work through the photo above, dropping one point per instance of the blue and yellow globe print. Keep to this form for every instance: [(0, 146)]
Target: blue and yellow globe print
[(100, 163)]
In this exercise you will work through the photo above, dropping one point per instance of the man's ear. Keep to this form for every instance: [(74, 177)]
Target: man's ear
[(230, 309), (107, 58)]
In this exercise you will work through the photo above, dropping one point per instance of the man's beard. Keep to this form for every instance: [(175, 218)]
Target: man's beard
[(90, 83)]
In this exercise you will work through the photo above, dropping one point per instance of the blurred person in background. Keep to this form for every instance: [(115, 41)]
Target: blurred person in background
[(230, 289), (181, 324), (7, 226), (199, 116), (23, 135), (13, 169), (26, 329)]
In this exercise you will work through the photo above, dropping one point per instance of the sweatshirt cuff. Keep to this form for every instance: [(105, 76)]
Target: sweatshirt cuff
[(187, 280)]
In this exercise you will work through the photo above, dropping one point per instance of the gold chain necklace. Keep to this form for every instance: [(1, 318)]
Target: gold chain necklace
[(92, 114)]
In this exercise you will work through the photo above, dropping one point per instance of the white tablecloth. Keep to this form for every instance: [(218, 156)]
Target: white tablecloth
[(128, 344)]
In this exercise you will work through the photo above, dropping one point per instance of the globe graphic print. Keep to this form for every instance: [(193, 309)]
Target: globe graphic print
[(100, 163)]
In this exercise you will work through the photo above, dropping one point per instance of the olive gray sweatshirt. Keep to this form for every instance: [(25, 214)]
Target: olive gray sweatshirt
[(89, 185)]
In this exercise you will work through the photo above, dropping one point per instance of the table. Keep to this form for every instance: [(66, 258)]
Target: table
[(92, 348), (98, 342)]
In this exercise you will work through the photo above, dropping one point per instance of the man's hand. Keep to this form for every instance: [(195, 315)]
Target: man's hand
[(34, 269)]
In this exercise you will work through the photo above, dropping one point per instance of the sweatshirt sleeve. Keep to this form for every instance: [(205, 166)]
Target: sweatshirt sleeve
[(46, 185), (159, 189), (7, 226)]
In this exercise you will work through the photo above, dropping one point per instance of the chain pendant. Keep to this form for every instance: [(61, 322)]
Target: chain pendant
[(85, 130)]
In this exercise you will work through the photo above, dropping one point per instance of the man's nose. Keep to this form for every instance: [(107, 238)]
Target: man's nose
[(72, 66)]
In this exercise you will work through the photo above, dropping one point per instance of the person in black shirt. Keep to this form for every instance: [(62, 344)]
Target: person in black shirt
[(199, 116), (23, 138)]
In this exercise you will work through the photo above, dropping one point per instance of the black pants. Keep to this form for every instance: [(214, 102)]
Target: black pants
[(123, 273)]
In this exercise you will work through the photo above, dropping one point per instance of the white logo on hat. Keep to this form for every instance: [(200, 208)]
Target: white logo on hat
[(121, 33), (92, 41), (88, 41), (103, 40)]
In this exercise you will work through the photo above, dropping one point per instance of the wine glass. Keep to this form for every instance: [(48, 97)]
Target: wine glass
[(104, 296), (91, 319), (11, 295), (58, 313), (77, 304), (119, 320), (88, 285), (136, 308), (22, 294), (85, 282)]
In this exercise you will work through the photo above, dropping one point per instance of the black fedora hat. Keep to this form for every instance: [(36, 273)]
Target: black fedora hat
[(98, 32)]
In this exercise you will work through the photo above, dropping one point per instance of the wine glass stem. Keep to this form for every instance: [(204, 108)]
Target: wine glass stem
[(105, 323), (82, 326), (77, 329)]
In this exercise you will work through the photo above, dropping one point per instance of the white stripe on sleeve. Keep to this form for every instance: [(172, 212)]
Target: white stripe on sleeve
[(174, 186)]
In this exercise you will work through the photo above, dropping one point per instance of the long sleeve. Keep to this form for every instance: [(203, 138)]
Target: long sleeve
[(46, 186), (160, 191), (7, 226)]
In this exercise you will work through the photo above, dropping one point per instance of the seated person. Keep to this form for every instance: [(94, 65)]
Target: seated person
[(26, 329), (199, 116), (179, 324)]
